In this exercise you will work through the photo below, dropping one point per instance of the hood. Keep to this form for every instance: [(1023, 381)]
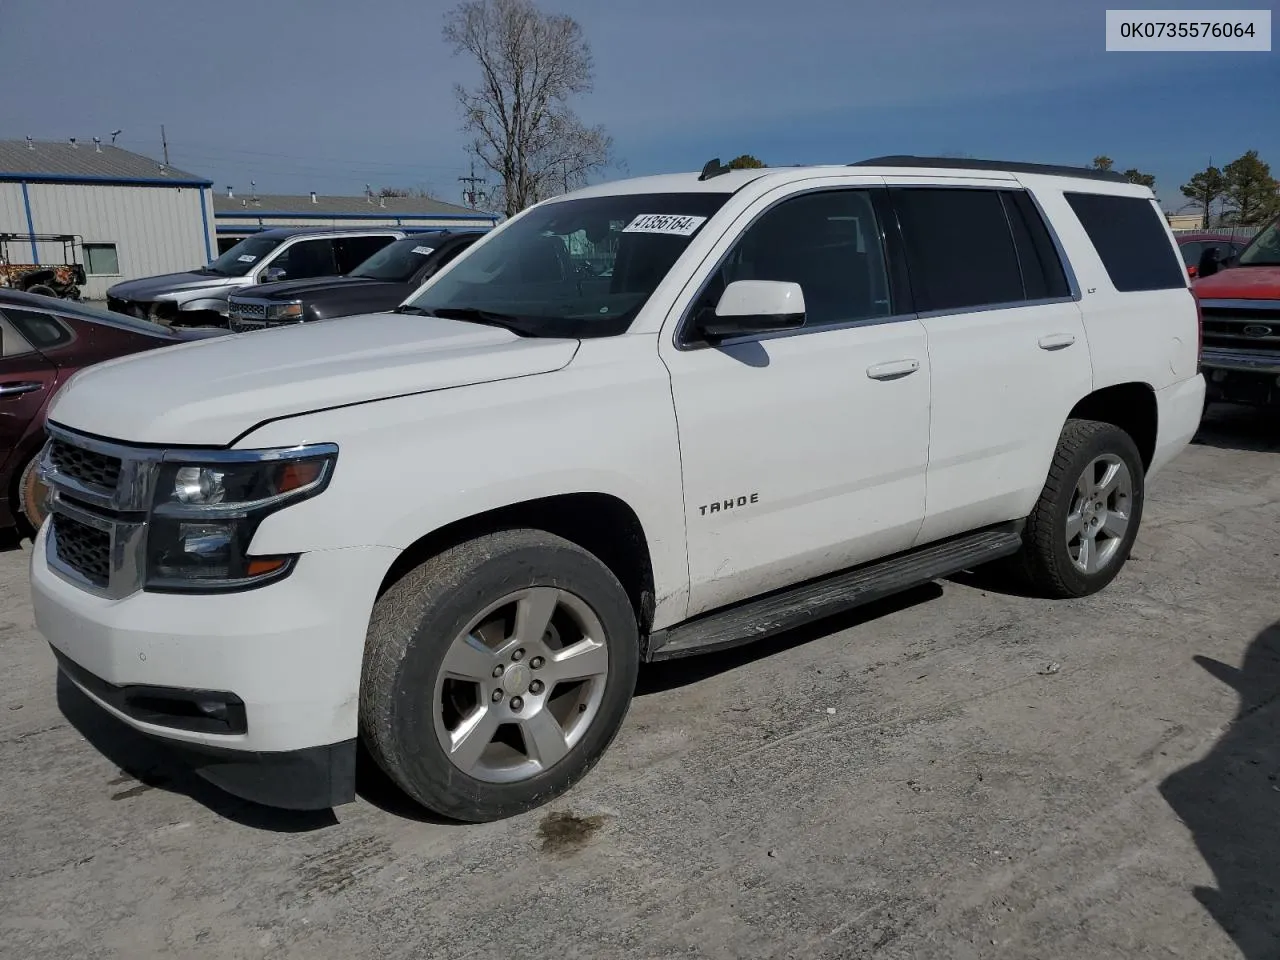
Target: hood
[(301, 289), (148, 288), (210, 392), (1240, 283)]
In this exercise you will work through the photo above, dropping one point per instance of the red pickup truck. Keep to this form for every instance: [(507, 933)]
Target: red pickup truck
[(1239, 299)]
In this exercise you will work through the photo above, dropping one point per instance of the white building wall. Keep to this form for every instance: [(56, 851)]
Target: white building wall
[(155, 230)]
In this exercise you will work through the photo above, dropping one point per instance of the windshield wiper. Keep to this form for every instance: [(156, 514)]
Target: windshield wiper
[(517, 325), (410, 308)]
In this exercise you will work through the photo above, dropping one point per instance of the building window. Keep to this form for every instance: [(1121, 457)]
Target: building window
[(100, 260)]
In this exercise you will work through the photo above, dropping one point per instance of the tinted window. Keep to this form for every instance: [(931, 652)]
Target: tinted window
[(41, 330), (959, 248), (828, 243), (1190, 252), (1042, 274), (307, 258), (1131, 239), (353, 251)]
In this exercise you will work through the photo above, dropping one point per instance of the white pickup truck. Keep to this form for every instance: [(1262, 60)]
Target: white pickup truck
[(643, 420)]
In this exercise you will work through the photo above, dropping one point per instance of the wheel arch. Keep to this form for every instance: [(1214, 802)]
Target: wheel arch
[(600, 523), (1130, 406)]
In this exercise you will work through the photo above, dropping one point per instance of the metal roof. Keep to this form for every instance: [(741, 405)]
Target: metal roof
[(58, 162), (289, 204)]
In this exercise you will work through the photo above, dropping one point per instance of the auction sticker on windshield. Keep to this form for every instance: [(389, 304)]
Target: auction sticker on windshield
[(246, 258), (671, 224), (423, 250)]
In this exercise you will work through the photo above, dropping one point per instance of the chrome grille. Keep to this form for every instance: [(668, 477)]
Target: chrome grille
[(87, 466), (1242, 324), (83, 548)]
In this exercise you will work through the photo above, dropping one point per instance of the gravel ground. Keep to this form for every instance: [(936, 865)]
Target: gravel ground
[(961, 773)]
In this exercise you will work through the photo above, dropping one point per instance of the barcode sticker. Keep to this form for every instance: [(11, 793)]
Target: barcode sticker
[(671, 224)]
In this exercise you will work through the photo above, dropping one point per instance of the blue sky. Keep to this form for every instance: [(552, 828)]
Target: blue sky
[(329, 95)]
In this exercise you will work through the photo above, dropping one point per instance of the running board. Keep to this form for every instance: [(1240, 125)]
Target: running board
[(794, 606)]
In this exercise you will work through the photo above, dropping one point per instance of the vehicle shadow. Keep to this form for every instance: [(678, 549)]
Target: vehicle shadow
[(154, 767), (1230, 427), (672, 674), (10, 540), (1230, 801)]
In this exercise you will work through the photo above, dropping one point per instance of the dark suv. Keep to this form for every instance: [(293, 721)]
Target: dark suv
[(380, 283)]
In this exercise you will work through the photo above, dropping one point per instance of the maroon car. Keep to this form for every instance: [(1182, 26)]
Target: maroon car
[(43, 341), (1191, 245)]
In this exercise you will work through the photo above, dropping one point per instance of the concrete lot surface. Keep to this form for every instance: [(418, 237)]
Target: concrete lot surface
[(963, 773)]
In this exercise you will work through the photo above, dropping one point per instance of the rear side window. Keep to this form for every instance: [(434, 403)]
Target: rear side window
[(12, 343), (1042, 275), (960, 250), (1190, 252), (39, 329), (1130, 238)]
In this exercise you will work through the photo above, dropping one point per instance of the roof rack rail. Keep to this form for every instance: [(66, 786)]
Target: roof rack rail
[(1008, 166)]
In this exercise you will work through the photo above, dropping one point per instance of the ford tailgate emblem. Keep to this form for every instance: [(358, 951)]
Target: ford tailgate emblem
[(1257, 330)]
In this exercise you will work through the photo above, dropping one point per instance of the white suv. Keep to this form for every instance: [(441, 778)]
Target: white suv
[(643, 420)]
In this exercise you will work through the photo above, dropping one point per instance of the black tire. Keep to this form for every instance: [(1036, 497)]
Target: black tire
[(1045, 562), (411, 629), (42, 290), (29, 506)]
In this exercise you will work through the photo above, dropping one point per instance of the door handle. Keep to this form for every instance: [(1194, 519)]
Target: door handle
[(13, 388), (1057, 341), (893, 369)]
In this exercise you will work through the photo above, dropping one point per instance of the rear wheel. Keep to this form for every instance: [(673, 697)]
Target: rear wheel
[(42, 290), (1083, 527), (497, 673)]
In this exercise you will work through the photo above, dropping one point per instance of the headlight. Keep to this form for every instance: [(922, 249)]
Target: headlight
[(285, 311), (206, 513)]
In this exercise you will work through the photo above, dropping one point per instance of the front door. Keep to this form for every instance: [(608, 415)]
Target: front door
[(802, 453)]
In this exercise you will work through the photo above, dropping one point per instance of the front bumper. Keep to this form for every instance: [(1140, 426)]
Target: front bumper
[(281, 664), (1240, 376)]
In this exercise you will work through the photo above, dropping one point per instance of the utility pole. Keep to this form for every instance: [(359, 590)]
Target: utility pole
[(164, 143), (469, 194)]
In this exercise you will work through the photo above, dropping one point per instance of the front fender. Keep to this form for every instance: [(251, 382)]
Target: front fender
[(412, 465)]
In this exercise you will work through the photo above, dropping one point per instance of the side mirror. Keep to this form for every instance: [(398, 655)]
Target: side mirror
[(1210, 262), (272, 274), (753, 306)]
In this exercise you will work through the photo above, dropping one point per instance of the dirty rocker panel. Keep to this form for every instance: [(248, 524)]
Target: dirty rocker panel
[(793, 606)]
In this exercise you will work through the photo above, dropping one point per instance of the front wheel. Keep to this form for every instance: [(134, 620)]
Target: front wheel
[(497, 673), (1083, 526)]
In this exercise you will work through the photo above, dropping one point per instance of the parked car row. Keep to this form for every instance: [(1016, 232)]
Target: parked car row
[(639, 421), (199, 297)]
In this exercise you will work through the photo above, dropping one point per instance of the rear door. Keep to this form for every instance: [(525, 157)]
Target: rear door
[(1007, 350)]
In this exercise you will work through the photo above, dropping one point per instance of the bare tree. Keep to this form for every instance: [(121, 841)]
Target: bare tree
[(531, 64)]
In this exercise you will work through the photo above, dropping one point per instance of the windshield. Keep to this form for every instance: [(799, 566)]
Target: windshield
[(573, 268), (243, 257), (1264, 251), (397, 261)]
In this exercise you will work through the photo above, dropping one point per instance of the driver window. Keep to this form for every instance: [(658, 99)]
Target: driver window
[(828, 242), (307, 258)]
